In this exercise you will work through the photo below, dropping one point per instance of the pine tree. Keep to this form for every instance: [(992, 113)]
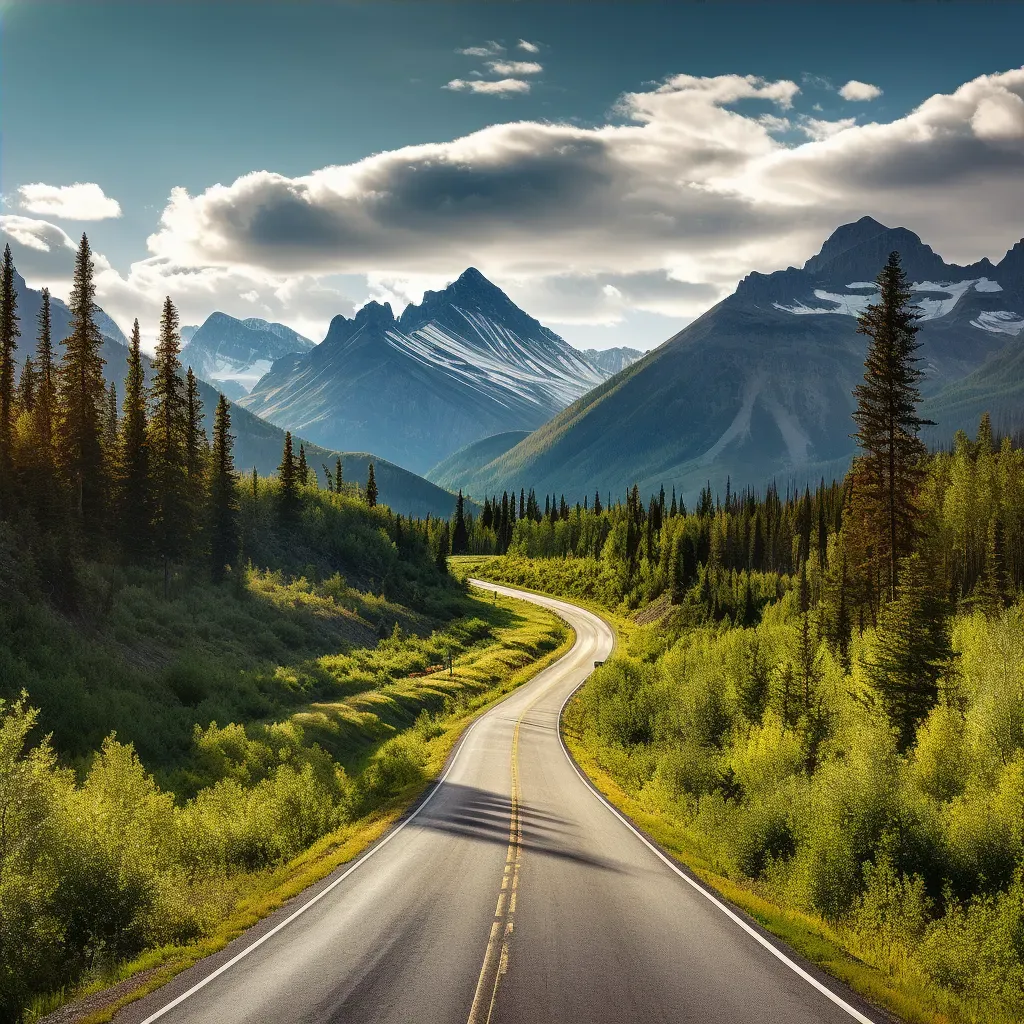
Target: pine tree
[(197, 454), (46, 393), (82, 397), (27, 387), (288, 509), (677, 570), (371, 487), (303, 469), (911, 650), (887, 421), (460, 537), (110, 439), (168, 440), (755, 683), (224, 510), (134, 488), (9, 334), (338, 477)]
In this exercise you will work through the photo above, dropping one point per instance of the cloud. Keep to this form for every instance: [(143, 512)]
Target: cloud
[(490, 49), (818, 129), (528, 47), (80, 201), (515, 67), (502, 87), (859, 91)]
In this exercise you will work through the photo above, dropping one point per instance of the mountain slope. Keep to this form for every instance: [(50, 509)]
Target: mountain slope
[(476, 454), (233, 354), (465, 364), (759, 387), (257, 443)]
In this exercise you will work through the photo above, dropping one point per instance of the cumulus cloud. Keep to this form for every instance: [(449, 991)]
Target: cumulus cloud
[(515, 67), (527, 47), (817, 128), (80, 201), (502, 87), (489, 49), (859, 91)]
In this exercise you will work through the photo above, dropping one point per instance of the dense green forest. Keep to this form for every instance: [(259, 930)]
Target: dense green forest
[(211, 683), (827, 699)]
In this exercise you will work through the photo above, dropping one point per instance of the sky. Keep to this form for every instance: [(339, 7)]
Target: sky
[(616, 168)]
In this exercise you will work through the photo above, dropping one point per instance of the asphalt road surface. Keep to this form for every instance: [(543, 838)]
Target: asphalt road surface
[(513, 894)]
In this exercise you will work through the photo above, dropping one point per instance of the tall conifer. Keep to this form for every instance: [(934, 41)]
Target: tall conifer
[(134, 486), (46, 392), (286, 474), (27, 387), (82, 397), (371, 487), (460, 536), (224, 510), (9, 334), (887, 421)]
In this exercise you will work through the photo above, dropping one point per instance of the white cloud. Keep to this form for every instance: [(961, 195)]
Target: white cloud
[(816, 128), (490, 49), (80, 201), (502, 87), (515, 67), (859, 91), (528, 47)]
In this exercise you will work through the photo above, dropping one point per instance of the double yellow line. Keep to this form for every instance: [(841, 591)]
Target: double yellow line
[(496, 955)]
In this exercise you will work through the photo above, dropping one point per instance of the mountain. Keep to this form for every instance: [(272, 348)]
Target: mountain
[(464, 364), (477, 453), (760, 386), (257, 443), (611, 360), (233, 354)]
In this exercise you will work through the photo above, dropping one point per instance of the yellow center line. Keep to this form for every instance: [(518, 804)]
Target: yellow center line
[(497, 953)]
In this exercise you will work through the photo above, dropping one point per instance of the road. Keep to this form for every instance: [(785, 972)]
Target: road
[(513, 894)]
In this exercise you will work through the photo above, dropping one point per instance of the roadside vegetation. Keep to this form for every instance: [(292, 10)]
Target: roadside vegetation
[(821, 703), (213, 688)]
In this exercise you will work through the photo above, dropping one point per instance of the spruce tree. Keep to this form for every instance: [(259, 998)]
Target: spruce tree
[(302, 472), (887, 421), (168, 436), (460, 537), (371, 487), (224, 510), (338, 475), (677, 570), (27, 387), (46, 391), (197, 455), (911, 650), (134, 488), (288, 508), (9, 334), (82, 397)]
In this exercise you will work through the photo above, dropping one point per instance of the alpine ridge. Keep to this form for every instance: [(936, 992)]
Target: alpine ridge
[(759, 387), (464, 364)]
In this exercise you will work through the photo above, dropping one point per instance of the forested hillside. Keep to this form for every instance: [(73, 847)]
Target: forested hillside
[(203, 674), (822, 704)]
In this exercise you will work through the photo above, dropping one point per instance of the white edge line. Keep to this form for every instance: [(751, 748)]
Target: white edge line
[(706, 893), (320, 895)]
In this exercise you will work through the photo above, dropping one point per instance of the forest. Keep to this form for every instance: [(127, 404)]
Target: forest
[(820, 694), (214, 686)]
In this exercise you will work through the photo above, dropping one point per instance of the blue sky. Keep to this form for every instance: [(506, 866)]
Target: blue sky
[(141, 99)]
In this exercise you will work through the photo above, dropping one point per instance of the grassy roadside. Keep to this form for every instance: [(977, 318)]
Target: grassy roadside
[(810, 936), (480, 678)]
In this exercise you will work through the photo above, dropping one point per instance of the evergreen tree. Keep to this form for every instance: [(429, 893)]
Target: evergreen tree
[(82, 397), (911, 650), (460, 536), (754, 687), (303, 469), (371, 487), (224, 511), (338, 478), (27, 387), (134, 486), (677, 570), (888, 423), (110, 443), (597, 503), (287, 475), (46, 392), (9, 334), (168, 444)]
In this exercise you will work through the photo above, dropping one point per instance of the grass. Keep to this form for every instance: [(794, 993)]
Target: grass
[(527, 640)]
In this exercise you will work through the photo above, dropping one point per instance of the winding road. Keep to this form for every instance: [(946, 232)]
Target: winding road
[(513, 893)]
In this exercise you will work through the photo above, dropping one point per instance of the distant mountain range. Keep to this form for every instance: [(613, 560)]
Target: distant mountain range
[(257, 443), (233, 354), (611, 360), (760, 386), (464, 364)]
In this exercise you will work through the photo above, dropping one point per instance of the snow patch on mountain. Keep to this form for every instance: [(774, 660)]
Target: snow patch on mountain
[(999, 321), (931, 307), (985, 285)]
